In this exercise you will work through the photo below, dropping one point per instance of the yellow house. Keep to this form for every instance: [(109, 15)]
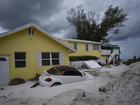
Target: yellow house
[(84, 47), (28, 50), (106, 53)]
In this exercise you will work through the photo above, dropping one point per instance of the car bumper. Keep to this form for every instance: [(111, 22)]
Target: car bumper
[(44, 83)]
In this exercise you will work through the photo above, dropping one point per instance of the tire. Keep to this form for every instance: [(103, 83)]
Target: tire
[(55, 84)]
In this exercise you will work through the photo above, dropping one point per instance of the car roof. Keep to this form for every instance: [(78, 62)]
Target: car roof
[(62, 66), (60, 69)]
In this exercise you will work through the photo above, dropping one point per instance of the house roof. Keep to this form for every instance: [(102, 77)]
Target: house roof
[(38, 28), (82, 41), (110, 46)]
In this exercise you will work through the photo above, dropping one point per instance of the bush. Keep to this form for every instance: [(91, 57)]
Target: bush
[(133, 60), (82, 58), (17, 81)]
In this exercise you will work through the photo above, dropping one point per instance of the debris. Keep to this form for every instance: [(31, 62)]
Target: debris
[(91, 64), (35, 85)]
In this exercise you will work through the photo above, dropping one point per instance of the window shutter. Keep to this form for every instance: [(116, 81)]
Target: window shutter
[(39, 60), (61, 58)]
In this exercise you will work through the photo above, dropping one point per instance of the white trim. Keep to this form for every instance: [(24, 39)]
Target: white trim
[(82, 41), (39, 59), (50, 58), (20, 59), (61, 58)]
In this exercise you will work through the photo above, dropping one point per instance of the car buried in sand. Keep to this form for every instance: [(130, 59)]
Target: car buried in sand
[(59, 75)]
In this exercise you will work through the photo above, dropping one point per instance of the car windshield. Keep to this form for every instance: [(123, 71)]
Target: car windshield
[(60, 70), (72, 73)]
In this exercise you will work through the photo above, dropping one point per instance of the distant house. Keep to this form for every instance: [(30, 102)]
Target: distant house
[(28, 50), (85, 48), (106, 53)]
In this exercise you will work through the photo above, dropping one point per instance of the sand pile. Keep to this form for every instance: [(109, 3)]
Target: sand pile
[(125, 90), (76, 97)]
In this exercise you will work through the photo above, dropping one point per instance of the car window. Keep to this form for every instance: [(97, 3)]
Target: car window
[(57, 70), (72, 73), (61, 70), (52, 71), (71, 68)]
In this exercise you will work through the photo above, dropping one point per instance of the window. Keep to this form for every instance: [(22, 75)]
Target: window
[(45, 59), (2, 59), (55, 58), (72, 73), (50, 59), (86, 47), (59, 70), (95, 47), (75, 46), (20, 59)]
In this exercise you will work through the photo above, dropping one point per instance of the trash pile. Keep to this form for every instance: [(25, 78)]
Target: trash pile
[(90, 64)]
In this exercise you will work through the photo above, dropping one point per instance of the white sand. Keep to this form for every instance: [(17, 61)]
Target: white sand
[(72, 94), (23, 91)]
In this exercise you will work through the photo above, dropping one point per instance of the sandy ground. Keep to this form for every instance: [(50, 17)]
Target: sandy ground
[(80, 93), (24, 90)]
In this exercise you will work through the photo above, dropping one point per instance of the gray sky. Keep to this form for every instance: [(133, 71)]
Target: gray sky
[(51, 15)]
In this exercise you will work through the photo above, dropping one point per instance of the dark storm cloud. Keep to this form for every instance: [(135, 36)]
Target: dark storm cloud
[(131, 7), (132, 32), (14, 13), (131, 28), (51, 15)]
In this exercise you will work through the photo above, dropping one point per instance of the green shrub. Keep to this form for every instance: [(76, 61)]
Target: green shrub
[(133, 60), (17, 81), (82, 58)]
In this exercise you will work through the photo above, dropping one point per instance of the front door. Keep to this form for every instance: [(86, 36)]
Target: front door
[(4, 70)]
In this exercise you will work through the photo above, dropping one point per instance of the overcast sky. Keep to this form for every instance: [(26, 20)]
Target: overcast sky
[(51, 15)]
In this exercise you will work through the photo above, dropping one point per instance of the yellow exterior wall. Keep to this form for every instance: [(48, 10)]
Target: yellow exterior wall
[(104, 58), (22, 42), (82, 52)]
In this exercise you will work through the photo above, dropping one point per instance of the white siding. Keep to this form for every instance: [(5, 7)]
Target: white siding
[(61, 58), (39, 60)]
